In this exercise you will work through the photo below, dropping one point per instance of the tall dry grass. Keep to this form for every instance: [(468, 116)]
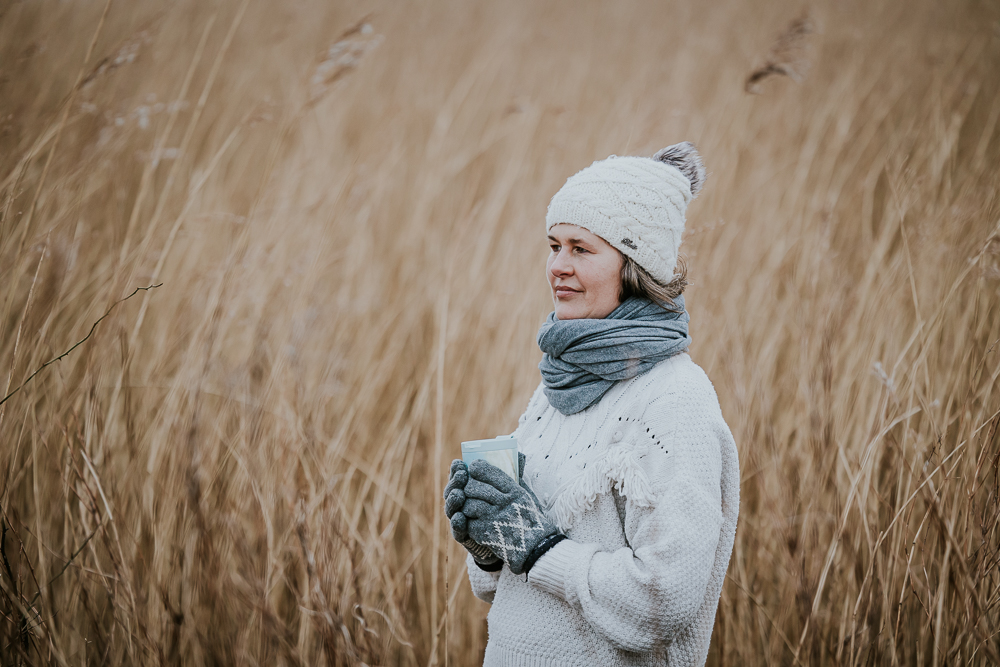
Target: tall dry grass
[(343, 203)]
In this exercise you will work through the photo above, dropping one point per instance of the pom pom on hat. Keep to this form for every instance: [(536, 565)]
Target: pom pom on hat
[(637, 204), (685, 157)]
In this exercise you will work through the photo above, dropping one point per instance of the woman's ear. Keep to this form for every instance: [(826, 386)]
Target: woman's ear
[(685, 157)]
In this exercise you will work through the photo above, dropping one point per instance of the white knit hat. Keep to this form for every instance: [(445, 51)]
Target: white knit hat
[(637, 204)]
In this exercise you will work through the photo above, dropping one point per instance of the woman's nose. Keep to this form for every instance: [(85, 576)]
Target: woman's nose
[(561, 266)]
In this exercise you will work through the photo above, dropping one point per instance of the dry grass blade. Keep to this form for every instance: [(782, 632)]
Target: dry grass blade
[(787, 57), (78, 343), (342, 57)]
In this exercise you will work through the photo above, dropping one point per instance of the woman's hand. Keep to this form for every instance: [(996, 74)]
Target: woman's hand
[(454, 499), (505, 516)]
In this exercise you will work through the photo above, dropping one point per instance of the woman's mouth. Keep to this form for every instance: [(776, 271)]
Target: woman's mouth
[(565, 292)]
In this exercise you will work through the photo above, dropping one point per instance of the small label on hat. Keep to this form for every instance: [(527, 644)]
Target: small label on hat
[(630, 244)]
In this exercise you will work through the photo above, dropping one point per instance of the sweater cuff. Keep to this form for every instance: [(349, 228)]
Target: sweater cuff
[(553, 571), (493, 566), (541, 549)]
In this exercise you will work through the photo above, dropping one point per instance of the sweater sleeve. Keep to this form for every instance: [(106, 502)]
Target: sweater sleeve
[(641, 596), (484, 584)]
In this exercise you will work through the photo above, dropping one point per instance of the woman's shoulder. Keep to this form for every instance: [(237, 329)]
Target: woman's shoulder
[(676, 381), (664, 426)]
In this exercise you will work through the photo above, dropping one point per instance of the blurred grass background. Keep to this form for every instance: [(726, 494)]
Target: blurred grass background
[(344, 205)]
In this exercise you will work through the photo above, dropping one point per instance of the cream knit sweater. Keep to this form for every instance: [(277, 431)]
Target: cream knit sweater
[(646, 485)]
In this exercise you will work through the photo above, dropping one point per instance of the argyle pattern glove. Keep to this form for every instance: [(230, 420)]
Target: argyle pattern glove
[(454, 499), (505, 516)]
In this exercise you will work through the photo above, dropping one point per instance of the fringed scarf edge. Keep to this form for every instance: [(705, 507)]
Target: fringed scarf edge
[(618, 469)]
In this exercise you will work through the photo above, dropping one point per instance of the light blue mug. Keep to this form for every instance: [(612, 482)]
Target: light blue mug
[(500, 451)]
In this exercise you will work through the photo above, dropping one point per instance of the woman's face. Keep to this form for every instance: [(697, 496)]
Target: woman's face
[(584, 273)]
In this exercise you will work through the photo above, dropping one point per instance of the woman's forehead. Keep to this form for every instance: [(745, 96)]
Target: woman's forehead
[(566, 231)]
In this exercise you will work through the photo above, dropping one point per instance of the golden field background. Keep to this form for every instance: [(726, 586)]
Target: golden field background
[(344, 204)]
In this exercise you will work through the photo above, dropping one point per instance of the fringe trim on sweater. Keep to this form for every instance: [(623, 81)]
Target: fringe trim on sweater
[(618, 469)]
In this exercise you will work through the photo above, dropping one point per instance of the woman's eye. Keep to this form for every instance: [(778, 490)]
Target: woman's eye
[(581, 250), (555, 248)]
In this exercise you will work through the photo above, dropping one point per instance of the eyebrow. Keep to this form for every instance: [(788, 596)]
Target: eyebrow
[(573, 241)]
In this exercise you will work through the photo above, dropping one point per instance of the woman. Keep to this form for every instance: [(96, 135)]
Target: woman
[(612, 547)]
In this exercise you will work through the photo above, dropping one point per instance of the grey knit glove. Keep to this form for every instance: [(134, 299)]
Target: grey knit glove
[(454, 498), (505, 516)]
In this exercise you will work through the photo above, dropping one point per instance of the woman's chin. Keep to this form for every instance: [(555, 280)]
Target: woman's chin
[(565, 311)]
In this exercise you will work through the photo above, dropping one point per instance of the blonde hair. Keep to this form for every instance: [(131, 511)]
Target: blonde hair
[(636, 281)]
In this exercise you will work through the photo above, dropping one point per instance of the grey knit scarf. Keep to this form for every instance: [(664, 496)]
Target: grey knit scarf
[(585, 357)]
